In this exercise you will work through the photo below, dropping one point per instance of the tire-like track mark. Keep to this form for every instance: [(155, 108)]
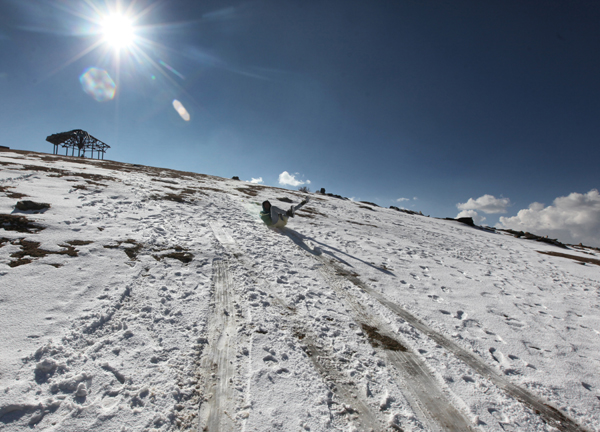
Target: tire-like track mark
[(428, 397), (216, 414), (551, 415), (229, 244), (325, 364)]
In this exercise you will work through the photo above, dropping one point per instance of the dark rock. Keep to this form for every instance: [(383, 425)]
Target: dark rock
[(530, 236), (410, 212), (30, 205), (235, 178), (466, 220)]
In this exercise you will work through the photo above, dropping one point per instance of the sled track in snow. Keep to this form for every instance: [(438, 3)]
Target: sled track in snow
[(428, 398), (548, 413), (325, 364), (426, 395), (216, 414)]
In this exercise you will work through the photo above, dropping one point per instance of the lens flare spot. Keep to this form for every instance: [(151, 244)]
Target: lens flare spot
[(98, 84), (181, 110)]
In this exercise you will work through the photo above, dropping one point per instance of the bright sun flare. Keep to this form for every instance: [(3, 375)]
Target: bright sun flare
[(118, 31)]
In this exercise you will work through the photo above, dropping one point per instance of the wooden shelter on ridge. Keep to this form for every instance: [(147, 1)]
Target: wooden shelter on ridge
[(79, 139)]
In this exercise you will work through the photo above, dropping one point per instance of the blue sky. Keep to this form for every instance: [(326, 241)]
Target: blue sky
[(497, 102)]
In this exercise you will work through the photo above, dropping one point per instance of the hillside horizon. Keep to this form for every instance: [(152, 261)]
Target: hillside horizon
[(519, 234)]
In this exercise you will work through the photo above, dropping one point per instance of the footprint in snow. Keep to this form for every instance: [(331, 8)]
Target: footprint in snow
[(436, 298), (505, 363), (497, 337), (460, 315), (498, 415)]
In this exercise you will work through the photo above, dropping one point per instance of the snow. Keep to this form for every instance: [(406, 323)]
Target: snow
[(180, 310)]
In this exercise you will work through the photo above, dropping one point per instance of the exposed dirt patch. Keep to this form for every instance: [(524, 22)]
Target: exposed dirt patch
[(251, 190), (573, 257), (10, 194), (377, 339), (366, 207), (180, 253), (360, 223), (132, 249), (30, 250), (164, 181), (132, 252), (184, 257), (583, 248), (57, 172), (95, 183), (93, 177), (19, 223), (79, 242), (184, 196), (107, 164), (212, 189)]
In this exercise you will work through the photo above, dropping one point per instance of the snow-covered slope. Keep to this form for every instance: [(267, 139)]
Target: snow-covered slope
[(151, 299)]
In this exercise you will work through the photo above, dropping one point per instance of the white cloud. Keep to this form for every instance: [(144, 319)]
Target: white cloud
[(571, 219), (256, 180), (486, 204), (403, 199), (287, 179), (477, 218)]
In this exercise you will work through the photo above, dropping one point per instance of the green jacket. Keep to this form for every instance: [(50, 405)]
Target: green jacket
[(266, 217)]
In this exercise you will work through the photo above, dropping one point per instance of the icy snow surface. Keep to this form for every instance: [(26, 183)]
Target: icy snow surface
[(155, 299)]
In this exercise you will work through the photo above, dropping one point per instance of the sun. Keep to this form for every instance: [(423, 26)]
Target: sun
[(118, 31)]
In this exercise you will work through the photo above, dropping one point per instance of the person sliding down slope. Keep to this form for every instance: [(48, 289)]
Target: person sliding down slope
[(275, 217)]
